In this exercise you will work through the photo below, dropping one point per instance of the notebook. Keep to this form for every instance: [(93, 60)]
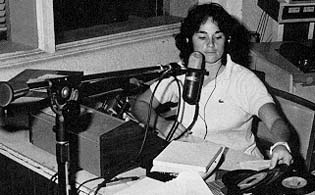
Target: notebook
[(181, 156)]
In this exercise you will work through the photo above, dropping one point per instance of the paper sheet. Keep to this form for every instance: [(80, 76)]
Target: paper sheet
[(186, 183), (256, 165)]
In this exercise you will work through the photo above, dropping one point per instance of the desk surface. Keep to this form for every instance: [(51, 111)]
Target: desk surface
[(268, 51), (16, 146)]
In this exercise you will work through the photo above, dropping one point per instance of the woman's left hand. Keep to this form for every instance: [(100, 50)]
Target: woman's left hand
[(280, 155)]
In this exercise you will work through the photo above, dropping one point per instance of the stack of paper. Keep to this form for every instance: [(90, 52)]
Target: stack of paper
[(181, 156)]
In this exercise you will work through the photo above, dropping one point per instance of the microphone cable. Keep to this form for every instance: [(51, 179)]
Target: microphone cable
[(204, 108), (147, 124), (176, 123), (196, 114)]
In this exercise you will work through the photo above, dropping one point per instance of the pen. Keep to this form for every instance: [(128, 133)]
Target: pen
[(122, 180)]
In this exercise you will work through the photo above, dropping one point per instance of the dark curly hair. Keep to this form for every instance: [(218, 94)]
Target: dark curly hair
[(237, 36)]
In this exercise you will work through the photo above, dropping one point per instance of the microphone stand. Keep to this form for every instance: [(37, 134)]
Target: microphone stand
[(63, 97)]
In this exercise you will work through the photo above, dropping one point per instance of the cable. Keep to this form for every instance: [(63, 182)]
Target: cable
[(204, 108), (52, 180), (99, 186), (92, 190), (87, 181), (263, 30), (262, 25), (104, 183), (259, 23), (147, 124), (196, 114), (176, 123)]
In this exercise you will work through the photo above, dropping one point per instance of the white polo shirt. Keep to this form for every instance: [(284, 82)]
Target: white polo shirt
[(226, 106)]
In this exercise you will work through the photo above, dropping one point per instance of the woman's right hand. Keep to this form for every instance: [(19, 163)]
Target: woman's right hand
[(165, 127)]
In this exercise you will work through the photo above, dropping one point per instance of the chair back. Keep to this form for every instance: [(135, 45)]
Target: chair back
[(299, 113)]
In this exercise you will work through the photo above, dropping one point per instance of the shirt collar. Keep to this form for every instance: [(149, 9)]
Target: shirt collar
[(227, 72)]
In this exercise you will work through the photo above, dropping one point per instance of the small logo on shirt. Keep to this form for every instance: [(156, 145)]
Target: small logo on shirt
[(221, 101)]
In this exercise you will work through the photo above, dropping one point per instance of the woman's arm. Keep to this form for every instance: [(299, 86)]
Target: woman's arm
[(279, 133), (141, 111)]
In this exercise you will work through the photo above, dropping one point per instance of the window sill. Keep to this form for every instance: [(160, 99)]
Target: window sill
[(18, 58)]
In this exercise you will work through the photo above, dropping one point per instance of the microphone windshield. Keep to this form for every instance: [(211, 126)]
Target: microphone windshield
[(195, 61)]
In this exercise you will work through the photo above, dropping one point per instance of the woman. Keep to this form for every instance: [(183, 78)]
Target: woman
[(231, 94)]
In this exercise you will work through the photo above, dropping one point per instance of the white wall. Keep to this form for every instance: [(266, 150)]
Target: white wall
[(127, 56)]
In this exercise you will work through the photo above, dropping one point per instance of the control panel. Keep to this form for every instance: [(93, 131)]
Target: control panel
[(289, 12)]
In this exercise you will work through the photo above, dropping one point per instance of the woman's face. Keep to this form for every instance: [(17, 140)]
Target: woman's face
[(210, 41)]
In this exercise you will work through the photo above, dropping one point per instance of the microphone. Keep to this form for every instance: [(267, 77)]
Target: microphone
[(194, 78)]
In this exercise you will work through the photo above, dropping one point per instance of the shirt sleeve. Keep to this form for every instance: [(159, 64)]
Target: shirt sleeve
[(256, 93), (167, 90)]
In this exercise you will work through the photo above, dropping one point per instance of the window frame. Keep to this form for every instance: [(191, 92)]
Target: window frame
[(47, 49)]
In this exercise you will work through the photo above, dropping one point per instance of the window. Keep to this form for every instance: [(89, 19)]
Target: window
[(77, 20), (46, 24)]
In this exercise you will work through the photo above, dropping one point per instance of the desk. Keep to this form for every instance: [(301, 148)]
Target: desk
[(16, 146), (280, 72)]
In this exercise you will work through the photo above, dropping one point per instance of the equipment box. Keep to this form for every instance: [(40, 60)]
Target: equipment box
[(99, 143)]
